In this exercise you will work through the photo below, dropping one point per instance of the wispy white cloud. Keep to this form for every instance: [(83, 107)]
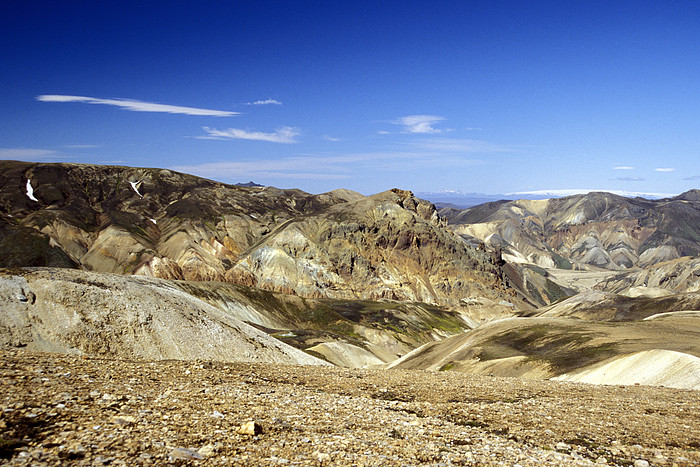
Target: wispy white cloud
[(627, 179), (331, 138), (694, 177), (419, 123), (138, 106), (266, 102), (664, 169), (285, 134), (26, 154), (623, 167), (81, 146), (457, 145)]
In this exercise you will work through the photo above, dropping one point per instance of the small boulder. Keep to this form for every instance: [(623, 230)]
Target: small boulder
[(185, 454), (250, 428)]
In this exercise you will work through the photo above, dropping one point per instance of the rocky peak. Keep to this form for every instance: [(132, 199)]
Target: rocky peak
[(690, 195), (424, 209)]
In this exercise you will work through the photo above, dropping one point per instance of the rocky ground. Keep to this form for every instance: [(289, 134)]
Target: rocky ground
[(71, 410)]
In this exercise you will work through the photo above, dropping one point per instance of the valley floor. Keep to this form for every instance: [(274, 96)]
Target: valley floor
[(581, 281), (61, 409)]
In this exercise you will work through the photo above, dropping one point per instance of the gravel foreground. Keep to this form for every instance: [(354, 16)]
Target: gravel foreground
[(72, 410)]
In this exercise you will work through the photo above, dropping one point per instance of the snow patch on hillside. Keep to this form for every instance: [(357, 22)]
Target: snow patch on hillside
[(135, 186), (30, 191)]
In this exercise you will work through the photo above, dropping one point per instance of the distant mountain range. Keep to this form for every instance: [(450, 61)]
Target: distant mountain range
[(458, 199), (580, 231), (250, 184)]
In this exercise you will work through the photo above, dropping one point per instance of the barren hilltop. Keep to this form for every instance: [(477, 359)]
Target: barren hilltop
[(146, 316)]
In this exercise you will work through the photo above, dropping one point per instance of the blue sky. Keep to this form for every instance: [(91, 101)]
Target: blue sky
[(490, 97)]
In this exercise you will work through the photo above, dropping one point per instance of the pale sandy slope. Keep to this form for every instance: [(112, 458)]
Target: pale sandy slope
[(110, 315), (650, 367), (663, 352)]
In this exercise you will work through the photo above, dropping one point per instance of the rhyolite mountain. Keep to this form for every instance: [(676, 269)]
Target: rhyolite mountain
[(110, 315), (677, 276), (576, 288), (161, 223), (646, 333), (598, 229), (354, 280)]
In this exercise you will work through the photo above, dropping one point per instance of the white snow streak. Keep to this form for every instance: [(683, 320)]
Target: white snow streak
[(135, 185), (30, 191)]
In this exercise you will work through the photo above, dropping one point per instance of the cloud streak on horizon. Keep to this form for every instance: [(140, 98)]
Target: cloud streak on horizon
[(26, 154), (138, 106), (321, 166), (457, 145)]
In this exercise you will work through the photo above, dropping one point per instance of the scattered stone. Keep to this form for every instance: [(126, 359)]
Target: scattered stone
[(184, 454), (125, 420), (327, 416), (562, 447), (208, 450), (250, 429), (322, 457)]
